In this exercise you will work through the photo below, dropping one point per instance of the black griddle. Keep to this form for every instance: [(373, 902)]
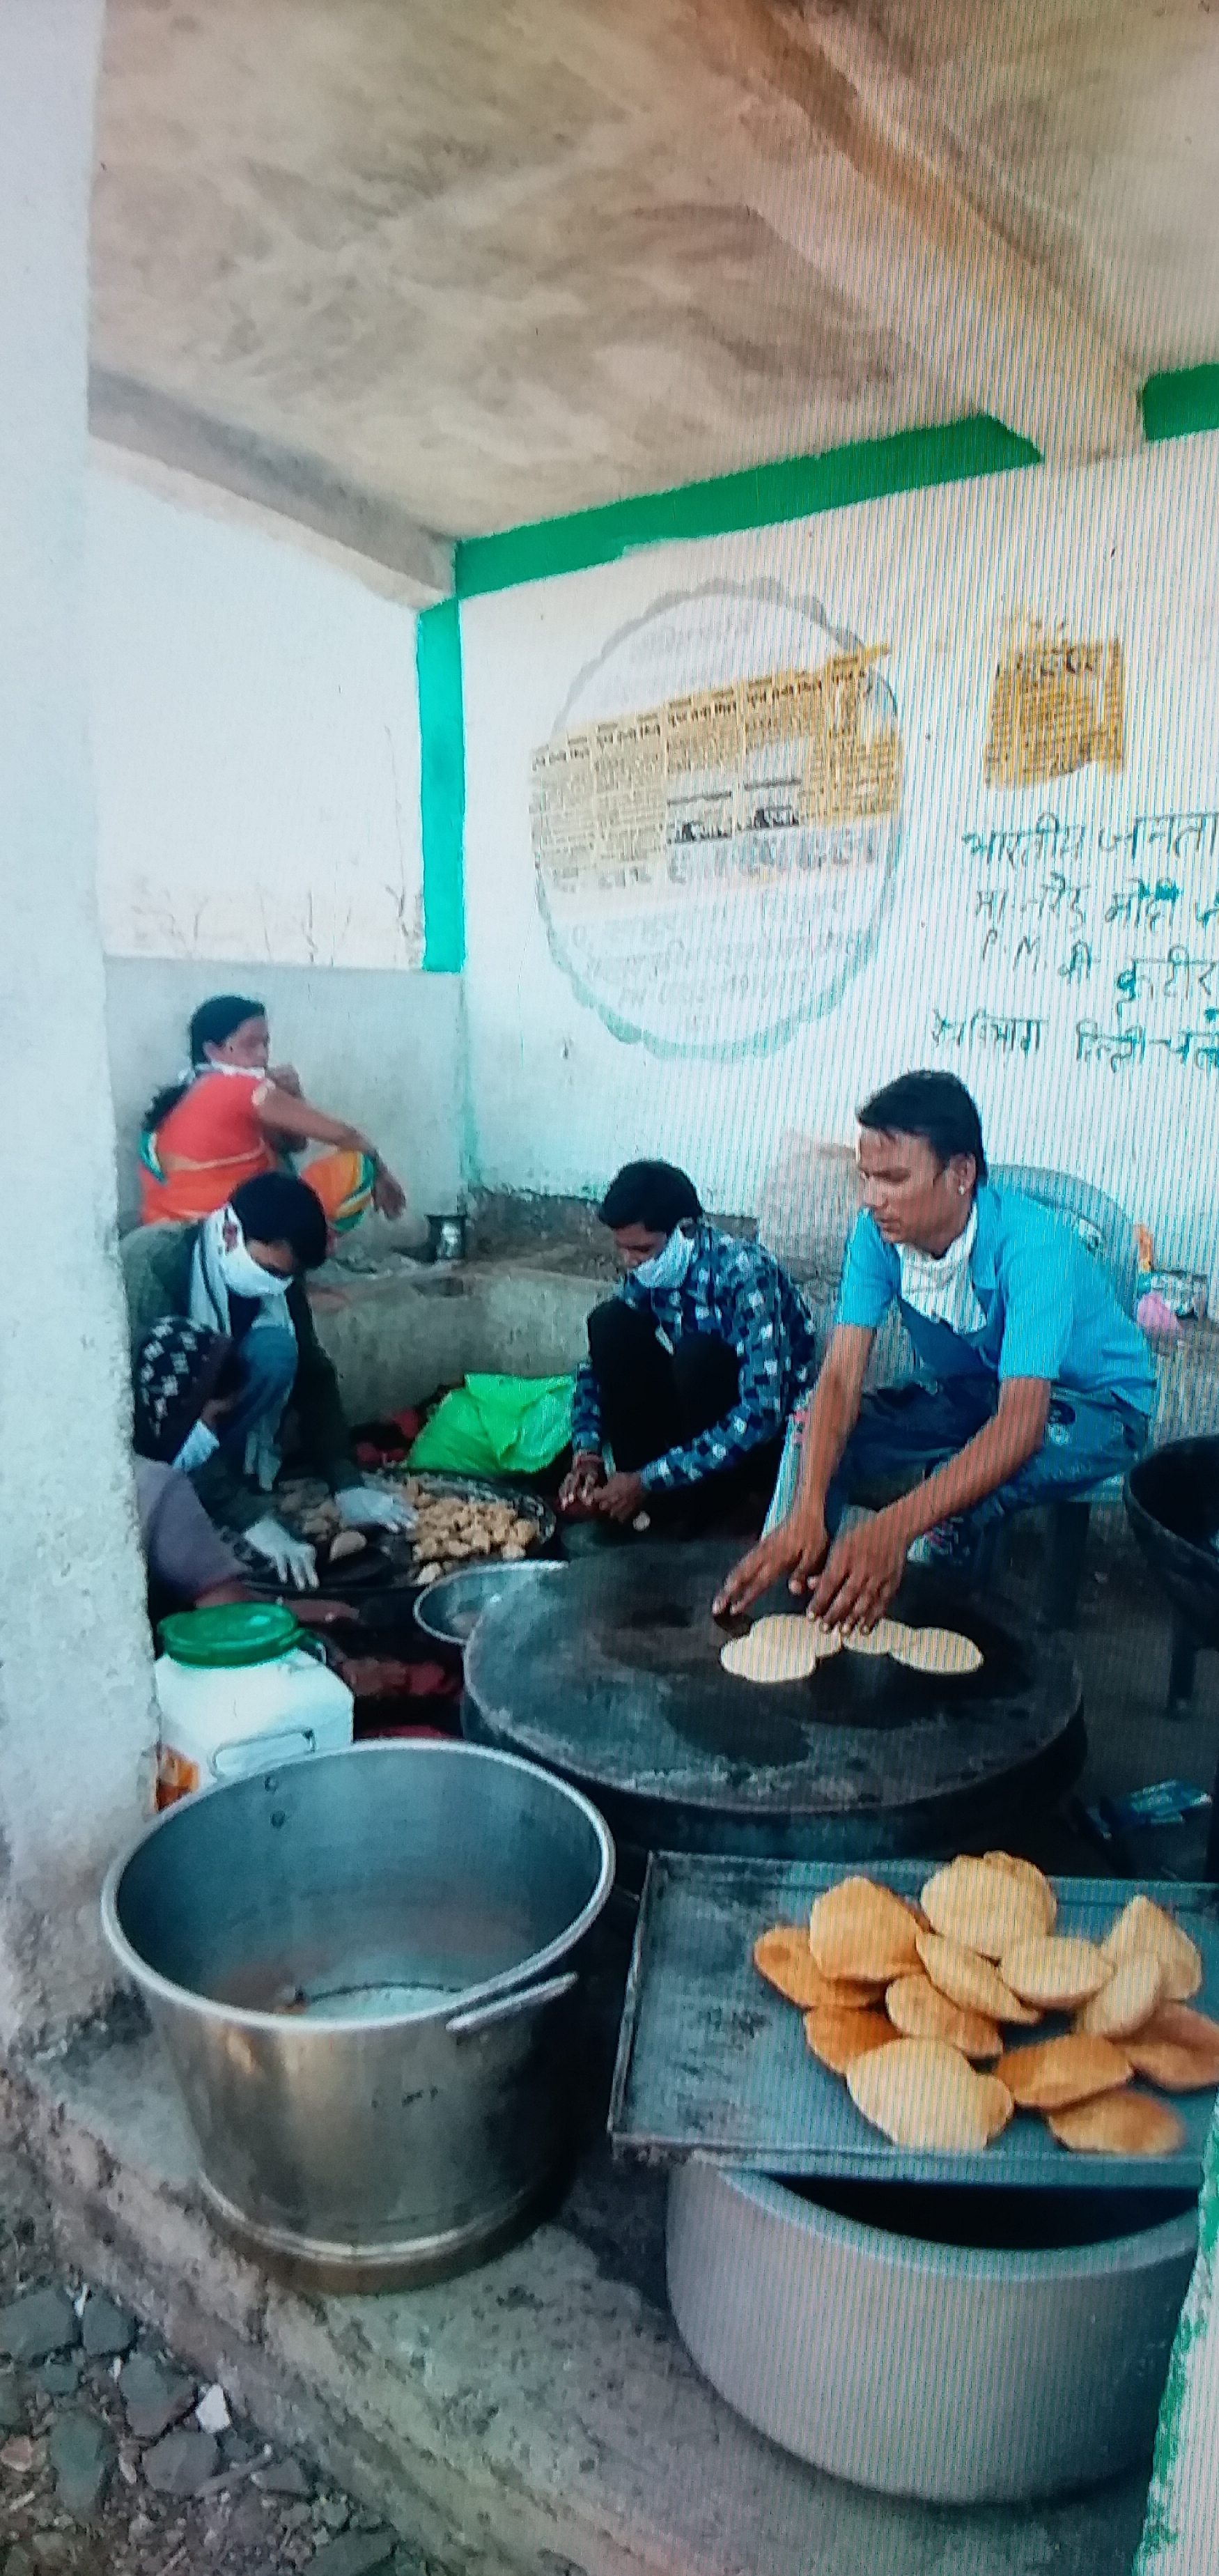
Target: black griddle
[(613, 1679)]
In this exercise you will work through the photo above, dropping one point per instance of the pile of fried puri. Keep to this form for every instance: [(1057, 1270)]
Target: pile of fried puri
[(911, 2003), (455, 1529), (450, 1530)]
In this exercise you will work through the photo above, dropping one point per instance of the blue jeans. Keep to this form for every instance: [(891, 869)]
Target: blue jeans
[(268, 1367), (906, 1432)]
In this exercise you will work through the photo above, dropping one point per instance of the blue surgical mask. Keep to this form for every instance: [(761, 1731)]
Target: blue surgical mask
[(668, 1267)]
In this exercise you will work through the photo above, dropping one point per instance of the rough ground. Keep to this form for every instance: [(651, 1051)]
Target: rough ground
[(104, 2467)]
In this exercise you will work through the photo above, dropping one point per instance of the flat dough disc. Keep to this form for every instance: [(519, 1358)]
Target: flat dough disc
[(776, 1650), (937, 1650), (886, 1638)]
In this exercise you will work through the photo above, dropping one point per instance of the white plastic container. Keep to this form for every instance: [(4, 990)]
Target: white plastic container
[(237, 1687)]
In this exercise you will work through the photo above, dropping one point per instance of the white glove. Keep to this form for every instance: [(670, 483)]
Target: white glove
[(369, 1507), (294, 1562)]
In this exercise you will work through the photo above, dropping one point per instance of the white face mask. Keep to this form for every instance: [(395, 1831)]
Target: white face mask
[(198, 1446), (245, 1277), (668, 1267)]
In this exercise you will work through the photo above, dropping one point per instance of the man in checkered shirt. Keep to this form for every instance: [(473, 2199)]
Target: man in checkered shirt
[(694, 1365)]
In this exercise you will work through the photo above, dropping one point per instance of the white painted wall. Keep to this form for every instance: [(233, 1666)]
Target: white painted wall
[(255, 739), (75, 1663), (385, 1050), (1130, 550), (255, 744)]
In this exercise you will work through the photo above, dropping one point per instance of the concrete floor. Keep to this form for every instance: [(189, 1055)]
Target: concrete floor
[(541, 2414)]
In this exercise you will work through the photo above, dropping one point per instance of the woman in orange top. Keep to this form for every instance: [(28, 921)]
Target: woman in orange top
[(233, 1116)]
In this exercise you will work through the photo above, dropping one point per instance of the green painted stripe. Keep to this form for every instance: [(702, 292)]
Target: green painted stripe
[(442, 787), (796, 488), (1177, 406), (1159, 2550)]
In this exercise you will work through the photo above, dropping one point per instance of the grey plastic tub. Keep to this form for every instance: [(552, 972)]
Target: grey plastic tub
[(952, 2373)]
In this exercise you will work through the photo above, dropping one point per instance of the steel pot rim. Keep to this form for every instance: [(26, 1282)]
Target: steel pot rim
[(522, 1975)]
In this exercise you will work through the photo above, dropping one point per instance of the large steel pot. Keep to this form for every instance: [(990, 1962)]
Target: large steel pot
[(363, 1967)]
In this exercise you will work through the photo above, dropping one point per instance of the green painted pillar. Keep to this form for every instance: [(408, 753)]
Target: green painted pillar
[(442, 787)]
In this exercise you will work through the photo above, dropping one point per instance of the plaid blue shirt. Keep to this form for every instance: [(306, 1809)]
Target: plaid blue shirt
[(736, 1290)]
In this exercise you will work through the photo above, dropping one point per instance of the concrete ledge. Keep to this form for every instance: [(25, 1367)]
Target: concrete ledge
[(400, 1332), (538, 2418)]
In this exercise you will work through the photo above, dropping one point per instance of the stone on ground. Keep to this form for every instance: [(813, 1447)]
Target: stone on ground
[(12, 2404), (20, 2456), (212, 2412), (283, 2478), (356, 2553), (182, 2463), (61, 2375), (236, 2451), (154, 2396), (40, 2323), (105, 2328), (81, 2452)]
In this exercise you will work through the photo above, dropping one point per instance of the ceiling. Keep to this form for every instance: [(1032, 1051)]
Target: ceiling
[(411, 269)]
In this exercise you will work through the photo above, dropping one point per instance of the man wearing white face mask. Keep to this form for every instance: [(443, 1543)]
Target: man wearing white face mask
[(693, 1366), (241, 1273)]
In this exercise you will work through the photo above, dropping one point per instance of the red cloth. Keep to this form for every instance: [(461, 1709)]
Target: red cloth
[(417, 1734), (372, 1677), (385, 1443)]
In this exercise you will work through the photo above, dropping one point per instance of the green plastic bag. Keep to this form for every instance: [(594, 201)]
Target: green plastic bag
[(497, 1426)]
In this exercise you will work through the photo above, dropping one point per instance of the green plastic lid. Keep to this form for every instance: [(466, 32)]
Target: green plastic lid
[(239, 1632)]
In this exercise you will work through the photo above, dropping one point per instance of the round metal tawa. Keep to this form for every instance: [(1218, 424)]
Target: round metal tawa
[(613, 1679)]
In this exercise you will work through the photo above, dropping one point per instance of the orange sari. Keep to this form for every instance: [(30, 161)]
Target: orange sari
[(204, 1150), (212, 1142)]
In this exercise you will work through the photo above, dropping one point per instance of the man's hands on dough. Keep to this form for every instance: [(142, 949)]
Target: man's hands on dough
[(621, 1497), (851, 1583), (862, 1572), (584, 1476), (587, 1488), (796, 1549)]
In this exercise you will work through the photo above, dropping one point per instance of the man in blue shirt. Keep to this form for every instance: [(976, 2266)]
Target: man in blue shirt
[(694, 1364), (1033, 1385)]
